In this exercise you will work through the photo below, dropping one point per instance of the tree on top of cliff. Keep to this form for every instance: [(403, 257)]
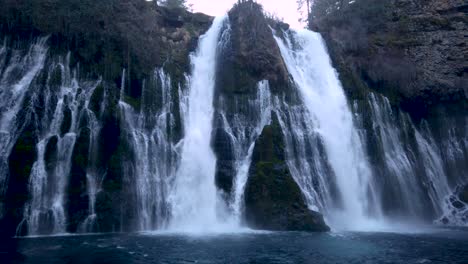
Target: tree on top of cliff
[(319, 8), (174, 3)]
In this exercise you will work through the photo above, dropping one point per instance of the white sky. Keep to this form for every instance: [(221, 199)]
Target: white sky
[(286, 9)]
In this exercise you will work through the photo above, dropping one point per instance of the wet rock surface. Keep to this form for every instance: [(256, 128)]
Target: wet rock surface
[(273, 200)]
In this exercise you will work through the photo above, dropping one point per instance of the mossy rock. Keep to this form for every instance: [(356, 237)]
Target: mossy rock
[(273, 200), (135, 103)]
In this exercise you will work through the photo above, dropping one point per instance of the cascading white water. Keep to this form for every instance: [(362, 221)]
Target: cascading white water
[(305, 158), (93, 175), (416, 174), (397, 160), (15, 79), (307, 60), (155, 155), (195, 202), (45, 212), (53, 111), (243, 135)]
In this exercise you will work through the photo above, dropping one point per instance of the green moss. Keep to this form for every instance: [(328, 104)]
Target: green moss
[(273, 200), (133, 102)]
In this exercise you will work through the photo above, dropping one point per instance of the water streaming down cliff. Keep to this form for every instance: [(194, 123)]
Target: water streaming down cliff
[(332, 121), (243, 128), (414, 181), (195, 202), (372, 165), (66, 104), (155, 158), (363, 166), (17, 74)]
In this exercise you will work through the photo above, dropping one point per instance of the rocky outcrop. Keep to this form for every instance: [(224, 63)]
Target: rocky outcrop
[(412, 51), (248, 55), (273, 200)]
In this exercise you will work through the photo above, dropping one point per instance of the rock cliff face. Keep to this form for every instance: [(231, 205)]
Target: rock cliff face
[(108, 79), (249, 56), (411, 51), (272, 197), (92, 40), (93, 127)]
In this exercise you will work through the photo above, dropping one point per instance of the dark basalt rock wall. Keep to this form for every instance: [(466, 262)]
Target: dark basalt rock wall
[(412, 51), (273, 200)]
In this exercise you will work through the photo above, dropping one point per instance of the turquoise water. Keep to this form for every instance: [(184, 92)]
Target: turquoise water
[(436, 246)]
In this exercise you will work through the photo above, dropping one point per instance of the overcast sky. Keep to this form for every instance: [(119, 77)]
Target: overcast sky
[(286, 9)]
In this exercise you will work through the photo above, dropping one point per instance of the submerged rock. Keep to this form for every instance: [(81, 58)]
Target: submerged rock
[(273, 200)]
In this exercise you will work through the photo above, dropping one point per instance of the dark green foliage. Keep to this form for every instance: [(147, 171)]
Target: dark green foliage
[(174, 3), (273, 200), (254, 55), (106, 36)]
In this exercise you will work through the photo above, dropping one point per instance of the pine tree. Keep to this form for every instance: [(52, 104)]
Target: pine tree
[(174, 3)]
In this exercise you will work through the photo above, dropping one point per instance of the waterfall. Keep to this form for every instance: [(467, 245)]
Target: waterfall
[(16, 77), (307, 61), (194, 198), (243, 128), (93, 174), (155, 157), (180, 156), (49, 99), (413, 179), (45, 213)]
